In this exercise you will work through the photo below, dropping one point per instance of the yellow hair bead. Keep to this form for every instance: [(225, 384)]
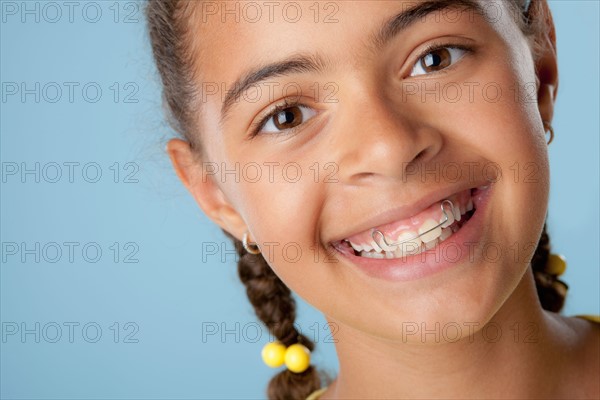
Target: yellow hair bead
[(556, 264), (273, 354), (297, 358)]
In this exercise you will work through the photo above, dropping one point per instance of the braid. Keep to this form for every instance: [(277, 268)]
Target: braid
[(274, 305), (551, 290)]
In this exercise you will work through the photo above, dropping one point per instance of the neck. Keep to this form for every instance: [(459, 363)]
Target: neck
[(475, 366)]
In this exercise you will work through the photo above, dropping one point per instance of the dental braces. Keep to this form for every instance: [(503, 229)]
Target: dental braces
[(377, 231)]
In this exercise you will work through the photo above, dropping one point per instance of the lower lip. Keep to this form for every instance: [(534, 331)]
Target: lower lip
[(450, 253)]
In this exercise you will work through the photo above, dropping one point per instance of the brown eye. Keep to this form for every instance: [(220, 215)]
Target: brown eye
[(437, 59), (285, 117), (288, 118)]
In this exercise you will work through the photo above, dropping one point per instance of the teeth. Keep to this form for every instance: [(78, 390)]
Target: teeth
[(384, 246), (411, 246), (450, 219), (355, 246), (376, 246), (456, 213), (398, 253), (372, 254), (426, 241), (432, 244), (427, 225), (446, 233)]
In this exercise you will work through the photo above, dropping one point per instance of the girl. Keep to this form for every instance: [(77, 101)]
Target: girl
[(370, 151)]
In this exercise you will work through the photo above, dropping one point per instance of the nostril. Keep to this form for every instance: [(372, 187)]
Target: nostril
[(365, 175), (420, 155)]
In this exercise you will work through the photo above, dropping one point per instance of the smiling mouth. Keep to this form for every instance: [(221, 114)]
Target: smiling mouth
[(417, 234)]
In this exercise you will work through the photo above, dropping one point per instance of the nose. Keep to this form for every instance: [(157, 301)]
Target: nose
[(378, 139)]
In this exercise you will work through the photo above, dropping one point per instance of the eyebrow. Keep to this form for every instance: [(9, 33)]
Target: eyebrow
[(294, 64), (303, 63), (408, 17)]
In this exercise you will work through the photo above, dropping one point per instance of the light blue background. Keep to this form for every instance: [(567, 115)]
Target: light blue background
[(170, 292)]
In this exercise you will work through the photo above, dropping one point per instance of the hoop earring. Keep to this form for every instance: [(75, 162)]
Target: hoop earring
[(548, 127), (250, 247)]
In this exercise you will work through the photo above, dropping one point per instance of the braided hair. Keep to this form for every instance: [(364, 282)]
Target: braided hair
[(275, 307)]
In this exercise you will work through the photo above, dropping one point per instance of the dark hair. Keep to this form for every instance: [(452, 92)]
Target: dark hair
[(171, 37)]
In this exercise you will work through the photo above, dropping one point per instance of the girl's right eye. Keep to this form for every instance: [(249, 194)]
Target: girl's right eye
[(284, 117)]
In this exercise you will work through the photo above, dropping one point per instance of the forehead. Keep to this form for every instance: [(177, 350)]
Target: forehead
[(234, 35)]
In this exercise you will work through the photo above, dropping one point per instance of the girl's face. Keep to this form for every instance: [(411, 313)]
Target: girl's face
[(390, 107)]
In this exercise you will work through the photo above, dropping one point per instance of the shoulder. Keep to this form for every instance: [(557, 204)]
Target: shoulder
[(586, 351), (590, 317)]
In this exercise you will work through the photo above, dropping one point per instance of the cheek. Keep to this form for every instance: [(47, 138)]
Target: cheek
[(517, 147), (283, 209), (285, 213), (507, 130), (279, 195)]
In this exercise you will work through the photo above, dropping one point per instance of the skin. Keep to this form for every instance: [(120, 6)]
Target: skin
[(374, 136)]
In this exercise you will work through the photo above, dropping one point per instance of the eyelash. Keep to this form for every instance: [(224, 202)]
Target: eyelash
[(287, 103), (438, 46)]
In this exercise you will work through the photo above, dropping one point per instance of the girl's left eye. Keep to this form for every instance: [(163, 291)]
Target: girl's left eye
[(437, 59), (285, 117)]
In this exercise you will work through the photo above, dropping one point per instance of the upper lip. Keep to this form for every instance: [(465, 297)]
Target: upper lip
[(403, 211)]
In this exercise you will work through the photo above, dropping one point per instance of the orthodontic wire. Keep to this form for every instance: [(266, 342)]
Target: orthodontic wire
[(419, 235)]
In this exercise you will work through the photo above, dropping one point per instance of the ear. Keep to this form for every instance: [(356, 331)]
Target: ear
[(546, 62), (201, 184)]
